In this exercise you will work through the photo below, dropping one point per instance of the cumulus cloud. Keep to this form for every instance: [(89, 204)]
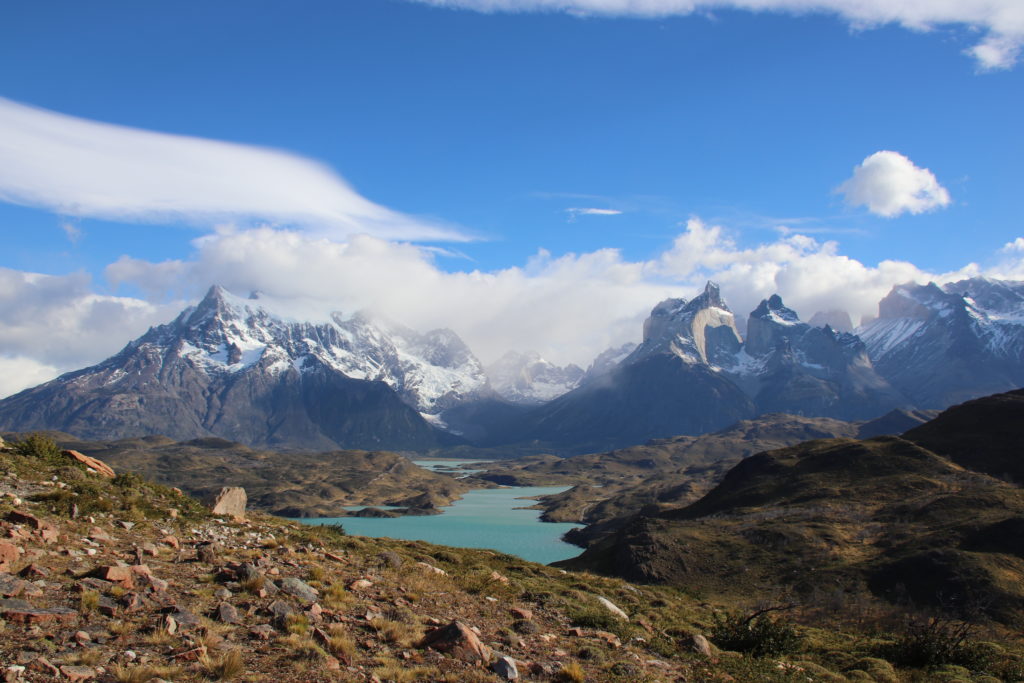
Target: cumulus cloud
[(1002, 21), (52, 324), (1016, 245), (889, 184), (569, 307), (81, 168), (22, 372)]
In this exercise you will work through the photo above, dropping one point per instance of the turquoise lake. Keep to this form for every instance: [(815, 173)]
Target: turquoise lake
[(483, 518)]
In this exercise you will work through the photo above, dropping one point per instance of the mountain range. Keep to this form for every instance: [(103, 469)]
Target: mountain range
[(239, 369)]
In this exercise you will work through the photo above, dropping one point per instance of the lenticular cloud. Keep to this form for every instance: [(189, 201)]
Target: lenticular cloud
[(86, 168), (1001, 20)]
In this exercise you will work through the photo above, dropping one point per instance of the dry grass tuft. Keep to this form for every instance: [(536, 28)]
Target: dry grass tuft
[(143, 673), (225, 667), (303, 648), (398, 632), (571, 672)]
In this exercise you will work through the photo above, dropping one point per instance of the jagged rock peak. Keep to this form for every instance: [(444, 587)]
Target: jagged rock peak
[(711, 297), (773, 309)]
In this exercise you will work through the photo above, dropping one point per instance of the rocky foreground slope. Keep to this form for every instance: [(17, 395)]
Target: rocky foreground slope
[(110, 578)]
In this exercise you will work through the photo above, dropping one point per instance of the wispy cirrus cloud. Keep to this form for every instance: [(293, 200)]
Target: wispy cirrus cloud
[(1001, 21), (84, 168), (576, 212)]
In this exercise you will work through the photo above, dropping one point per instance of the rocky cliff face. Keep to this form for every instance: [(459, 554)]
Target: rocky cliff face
[(228, 367), (943, 345)]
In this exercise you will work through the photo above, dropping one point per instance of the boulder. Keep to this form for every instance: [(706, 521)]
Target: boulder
[(699, 644), (459, 641), (506, 669), (231, 501), (299, 588), (612, 607), (98, 466)]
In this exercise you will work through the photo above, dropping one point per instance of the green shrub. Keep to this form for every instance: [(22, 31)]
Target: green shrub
[(39, 446), (937, 642), (755, 634)]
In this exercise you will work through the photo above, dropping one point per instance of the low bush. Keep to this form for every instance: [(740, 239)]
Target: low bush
[(756, 634), (937, 642)]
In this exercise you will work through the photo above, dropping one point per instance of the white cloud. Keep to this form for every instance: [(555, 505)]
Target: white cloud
[(85, 168), (1016, 245), (889, 184), (51, 324), (22, 372), (576, 212), (569, 307), (1001, 20)]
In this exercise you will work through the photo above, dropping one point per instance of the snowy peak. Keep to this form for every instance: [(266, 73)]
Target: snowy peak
[(944, 345), (1000, 299), (916, 302), (225, 333), (770, 325), (526, 378)]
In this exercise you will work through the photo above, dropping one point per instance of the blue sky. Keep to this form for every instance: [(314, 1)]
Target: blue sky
[(705, 142)]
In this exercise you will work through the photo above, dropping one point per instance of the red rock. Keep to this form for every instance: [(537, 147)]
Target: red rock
[(98, 466), (192, 655), (457, 640), (24, 518), (41, 665), (609, 638), (11, 586), (495, 576), (332, 556), (49, 534), (34, 571), (576, 632), (99, 535), (172, 541), (122, 576), (78, 673), (34, 615), (8, 555)]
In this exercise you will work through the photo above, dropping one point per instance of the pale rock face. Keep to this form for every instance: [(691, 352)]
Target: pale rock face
[(701, 331), (230, 502)]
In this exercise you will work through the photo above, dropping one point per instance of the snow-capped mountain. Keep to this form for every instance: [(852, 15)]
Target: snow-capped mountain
[(790, 366), (945, 345), (693, 373), (526, 378), (234, 368)]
